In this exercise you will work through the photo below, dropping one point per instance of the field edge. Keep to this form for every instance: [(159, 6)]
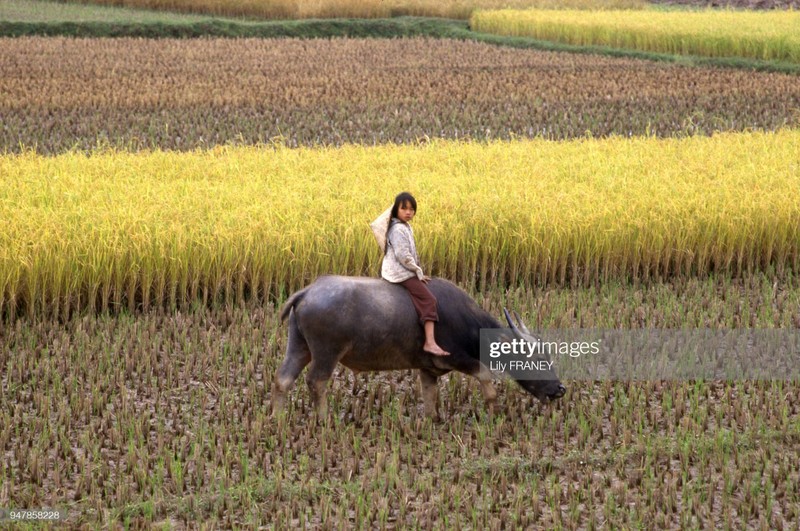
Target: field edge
[(404, 26)]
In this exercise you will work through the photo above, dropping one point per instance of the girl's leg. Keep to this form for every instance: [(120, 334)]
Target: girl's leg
[(425, 305), (430, 341)]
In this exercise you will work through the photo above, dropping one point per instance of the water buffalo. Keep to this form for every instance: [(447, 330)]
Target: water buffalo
[(369, 324)]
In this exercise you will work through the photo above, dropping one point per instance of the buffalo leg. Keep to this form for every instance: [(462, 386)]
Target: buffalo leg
[(429, 383), (476, 369), (485, 378), (355, 382), (317, 381), (322, 366), (297, 357)]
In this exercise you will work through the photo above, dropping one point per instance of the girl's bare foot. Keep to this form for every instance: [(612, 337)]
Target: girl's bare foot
[(435, 349)]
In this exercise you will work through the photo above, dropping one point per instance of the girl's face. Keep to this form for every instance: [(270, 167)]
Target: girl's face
[(406, 212)]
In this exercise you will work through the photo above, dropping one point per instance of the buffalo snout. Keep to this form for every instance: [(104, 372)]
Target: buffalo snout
[(553, 391), (544, 390)]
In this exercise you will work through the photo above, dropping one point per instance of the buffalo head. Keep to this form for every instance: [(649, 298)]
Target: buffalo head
[(547, 387)]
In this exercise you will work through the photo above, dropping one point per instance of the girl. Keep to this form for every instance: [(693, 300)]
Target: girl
[(401, 266)]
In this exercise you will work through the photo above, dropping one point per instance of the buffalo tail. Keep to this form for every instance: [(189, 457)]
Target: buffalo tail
[(294, 299)]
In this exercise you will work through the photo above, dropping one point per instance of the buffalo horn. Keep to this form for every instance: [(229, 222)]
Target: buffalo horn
[(521, 323), (511, 323)]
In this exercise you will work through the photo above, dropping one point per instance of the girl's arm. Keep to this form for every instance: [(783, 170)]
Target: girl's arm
[(401, 243)]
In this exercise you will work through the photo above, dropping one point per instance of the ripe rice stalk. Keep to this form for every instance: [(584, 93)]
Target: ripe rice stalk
[(765, 35), (233, 223)]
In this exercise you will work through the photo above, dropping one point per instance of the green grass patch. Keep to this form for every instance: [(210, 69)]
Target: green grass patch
[(36, 11), (308, 29)]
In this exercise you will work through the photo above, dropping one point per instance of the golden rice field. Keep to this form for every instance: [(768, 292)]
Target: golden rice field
[(731, 4), (770, 36), (296, 9), (57, 94), (136, 230)]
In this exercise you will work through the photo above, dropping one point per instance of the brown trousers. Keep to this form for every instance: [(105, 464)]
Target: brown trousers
[(424, 301)]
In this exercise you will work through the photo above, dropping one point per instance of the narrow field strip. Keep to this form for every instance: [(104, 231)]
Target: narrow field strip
[(297, 9), (48, 11), (114, 230), (60, 93), (770, 36), (393, 27)]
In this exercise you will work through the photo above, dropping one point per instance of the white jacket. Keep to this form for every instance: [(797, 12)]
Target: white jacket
[(401, 261)]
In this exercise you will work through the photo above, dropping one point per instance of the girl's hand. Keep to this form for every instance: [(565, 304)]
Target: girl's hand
[(425, 278)]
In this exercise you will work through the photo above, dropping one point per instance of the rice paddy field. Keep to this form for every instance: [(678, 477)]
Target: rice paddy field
[(61, 93), (160, 198), (294, 9), (771, 36), (162, 420), (115, 230)]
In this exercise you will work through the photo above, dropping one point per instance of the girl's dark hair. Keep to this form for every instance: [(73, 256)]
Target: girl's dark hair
[(401, 199)]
